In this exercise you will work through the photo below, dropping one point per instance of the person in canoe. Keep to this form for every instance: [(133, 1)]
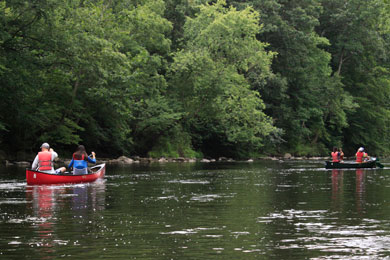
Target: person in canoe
[(361, 155), (80, 160), (341, 154), (336, 155), (44, 160)]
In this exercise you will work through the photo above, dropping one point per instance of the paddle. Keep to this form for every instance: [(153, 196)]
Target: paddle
[(378, 163)]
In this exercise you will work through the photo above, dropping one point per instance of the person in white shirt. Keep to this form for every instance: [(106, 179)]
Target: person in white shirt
[(45, 159)]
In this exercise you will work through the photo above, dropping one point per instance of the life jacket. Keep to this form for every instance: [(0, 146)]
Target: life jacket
[(79, 164), (335, 157), (359, 157), (44, 161)]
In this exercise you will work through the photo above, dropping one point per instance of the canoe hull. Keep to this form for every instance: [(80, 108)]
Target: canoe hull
[(349, 165), (37, 177)]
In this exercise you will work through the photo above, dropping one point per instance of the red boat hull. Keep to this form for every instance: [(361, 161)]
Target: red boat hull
[(37, 177)]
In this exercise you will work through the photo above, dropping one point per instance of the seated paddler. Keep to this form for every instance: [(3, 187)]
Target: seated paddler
[(44, 161), (335, 155), (80, 160), (361, 155), (341, 153)]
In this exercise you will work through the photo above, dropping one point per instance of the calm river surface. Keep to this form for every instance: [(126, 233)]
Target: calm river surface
[(261, 210)]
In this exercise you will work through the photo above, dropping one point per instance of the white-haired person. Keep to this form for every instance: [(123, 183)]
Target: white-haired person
[(44, 160), (361, 155)]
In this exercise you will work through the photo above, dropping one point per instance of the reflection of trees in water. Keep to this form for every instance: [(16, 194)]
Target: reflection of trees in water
[(49, 201)]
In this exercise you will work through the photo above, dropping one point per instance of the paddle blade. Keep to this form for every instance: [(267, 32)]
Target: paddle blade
[(379, 165)]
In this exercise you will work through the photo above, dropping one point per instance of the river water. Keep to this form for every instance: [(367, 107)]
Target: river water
[(261, 210)]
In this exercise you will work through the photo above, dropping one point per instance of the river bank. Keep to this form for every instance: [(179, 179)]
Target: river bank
[(123, 160)]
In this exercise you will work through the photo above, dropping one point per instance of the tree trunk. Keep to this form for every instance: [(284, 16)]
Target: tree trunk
[(341, 60)]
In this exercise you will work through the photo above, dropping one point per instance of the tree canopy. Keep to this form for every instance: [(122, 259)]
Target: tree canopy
[(195, 78)]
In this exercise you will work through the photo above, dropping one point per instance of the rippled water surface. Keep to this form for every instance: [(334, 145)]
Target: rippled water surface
[(261, 210)]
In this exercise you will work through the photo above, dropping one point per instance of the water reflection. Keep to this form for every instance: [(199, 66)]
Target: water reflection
[(337, 188), (43, 207), (86, 197), (278, 212), (360, 190), (50, 202)]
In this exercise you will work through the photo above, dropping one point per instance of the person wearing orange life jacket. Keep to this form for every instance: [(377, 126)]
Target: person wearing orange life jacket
[(361, 155), (44, 160), (335, 155)]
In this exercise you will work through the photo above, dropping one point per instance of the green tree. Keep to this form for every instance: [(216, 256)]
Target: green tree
[(80, 71), (358, 32), (208, 79), (147, 46), (304, 98)]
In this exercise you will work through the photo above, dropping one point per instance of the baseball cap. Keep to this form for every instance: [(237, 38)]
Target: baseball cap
[(45, 145)]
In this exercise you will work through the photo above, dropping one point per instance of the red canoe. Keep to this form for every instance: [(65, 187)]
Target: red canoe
[(37, 177)]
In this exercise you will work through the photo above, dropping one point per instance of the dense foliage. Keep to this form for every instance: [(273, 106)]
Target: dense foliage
[(195, 78)]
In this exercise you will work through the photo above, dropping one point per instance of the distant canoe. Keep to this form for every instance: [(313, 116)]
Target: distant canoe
[(350, 165), (38, 177)]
